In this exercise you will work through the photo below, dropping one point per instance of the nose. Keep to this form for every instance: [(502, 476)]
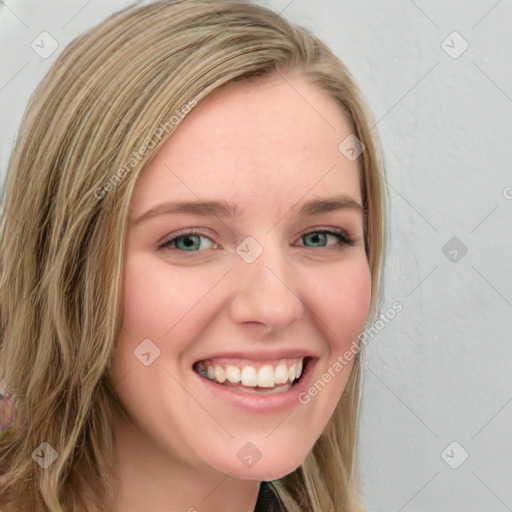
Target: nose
[(265, 291)]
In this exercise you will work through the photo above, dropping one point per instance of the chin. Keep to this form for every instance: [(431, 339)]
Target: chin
[(278, 465)]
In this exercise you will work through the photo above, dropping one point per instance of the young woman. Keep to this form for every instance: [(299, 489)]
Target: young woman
[(191, 246)]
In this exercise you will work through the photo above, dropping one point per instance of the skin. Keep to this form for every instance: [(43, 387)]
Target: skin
[(267, 147)]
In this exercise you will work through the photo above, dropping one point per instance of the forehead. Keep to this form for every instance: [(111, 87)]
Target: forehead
[(271, 142)]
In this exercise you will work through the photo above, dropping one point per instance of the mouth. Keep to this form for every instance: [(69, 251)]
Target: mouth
[(249, 376)]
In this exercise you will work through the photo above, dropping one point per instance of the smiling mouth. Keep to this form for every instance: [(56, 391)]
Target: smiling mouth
[(255, 377)]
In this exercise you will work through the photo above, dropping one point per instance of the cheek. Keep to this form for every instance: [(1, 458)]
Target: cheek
[(163, 304), (155, 297), (144, 296), (347, 304), (340, 310), (140, 300)]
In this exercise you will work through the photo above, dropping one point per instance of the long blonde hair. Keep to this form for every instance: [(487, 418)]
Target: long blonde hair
[(63, 235)]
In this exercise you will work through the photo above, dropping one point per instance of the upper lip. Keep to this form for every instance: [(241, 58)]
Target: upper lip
[(262, 355)]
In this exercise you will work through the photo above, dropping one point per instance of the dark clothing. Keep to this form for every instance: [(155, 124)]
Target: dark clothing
[(268, 501)]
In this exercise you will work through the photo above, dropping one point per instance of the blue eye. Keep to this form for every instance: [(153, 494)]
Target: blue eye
[(187, 242), (190, 241), (320, 236)]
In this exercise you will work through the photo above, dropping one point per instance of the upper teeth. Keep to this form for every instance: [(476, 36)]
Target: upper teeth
[(267, 376)]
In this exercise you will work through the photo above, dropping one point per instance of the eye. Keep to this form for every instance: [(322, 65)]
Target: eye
[(188, 241), (319, 237)]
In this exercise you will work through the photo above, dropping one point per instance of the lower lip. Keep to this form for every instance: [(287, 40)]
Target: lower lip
[(261, 403)]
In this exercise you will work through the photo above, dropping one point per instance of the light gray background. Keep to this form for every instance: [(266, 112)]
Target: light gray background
[(441, 370)]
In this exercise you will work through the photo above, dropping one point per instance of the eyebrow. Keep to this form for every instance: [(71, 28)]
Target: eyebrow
[(225, 209)]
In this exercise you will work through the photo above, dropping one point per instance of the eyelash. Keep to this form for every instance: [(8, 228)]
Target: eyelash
[(339, 234)]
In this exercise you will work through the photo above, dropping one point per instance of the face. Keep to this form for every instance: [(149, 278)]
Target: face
[(250, 291)]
